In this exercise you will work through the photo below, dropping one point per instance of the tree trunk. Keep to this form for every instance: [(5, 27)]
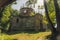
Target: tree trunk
[(53, 29), (57, 10), (47, 16), (57, 15)]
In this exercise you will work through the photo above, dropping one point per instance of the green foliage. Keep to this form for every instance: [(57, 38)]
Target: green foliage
[(29, 2), (52, 14), (26, 36), (45, 19), (50, 6), (6, 14), (51, 11), (15, 12), (32, 14), (5, 37), (53, 17), (5, 17), (58, 3)]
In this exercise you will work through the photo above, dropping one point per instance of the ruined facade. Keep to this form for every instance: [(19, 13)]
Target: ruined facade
[(24, 21)]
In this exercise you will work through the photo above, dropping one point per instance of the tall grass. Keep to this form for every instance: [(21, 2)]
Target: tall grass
[(29, 36), (5, 37), (25, 36)]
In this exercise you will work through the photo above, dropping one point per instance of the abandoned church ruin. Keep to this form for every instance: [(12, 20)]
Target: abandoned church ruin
[(27, 20)]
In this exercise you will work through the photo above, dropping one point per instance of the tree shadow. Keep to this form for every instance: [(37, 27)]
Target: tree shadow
[(23, 31)]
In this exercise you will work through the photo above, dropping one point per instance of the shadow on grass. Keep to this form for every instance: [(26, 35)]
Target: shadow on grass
[(25, 31)]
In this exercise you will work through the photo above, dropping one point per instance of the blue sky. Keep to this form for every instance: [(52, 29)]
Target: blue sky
[(20, 3)]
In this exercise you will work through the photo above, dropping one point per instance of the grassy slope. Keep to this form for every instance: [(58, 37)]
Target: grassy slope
[(25, 36), (5, 37), (33, 36)]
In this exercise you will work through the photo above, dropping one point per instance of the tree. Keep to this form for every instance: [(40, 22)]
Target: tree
[(5, 18), (29, 2), (14, 12), (51, 11), (57, 9), (2, 7), (55, 32), (6, 2), (47, 16)]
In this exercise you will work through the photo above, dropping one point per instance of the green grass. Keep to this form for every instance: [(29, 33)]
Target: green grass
[(5, 37), (31, 36), (26, 36)]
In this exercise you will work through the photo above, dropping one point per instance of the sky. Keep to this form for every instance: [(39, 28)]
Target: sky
[(20, 3)]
